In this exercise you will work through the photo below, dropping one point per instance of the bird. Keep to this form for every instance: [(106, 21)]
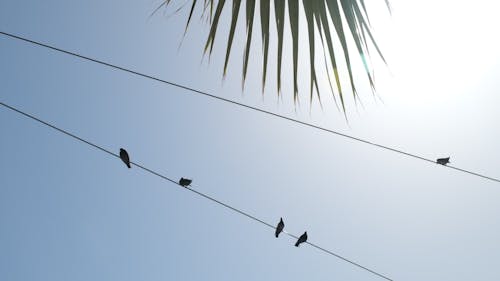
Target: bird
[(279, 227), (443, 161), (302, 239), (184, 182), (124, 157)]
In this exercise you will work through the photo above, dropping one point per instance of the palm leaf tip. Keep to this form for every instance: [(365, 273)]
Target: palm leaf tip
[(264, 22), (234, 20), (250, 11)]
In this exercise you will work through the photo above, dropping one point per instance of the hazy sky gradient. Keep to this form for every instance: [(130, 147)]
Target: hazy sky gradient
[(69, 212)]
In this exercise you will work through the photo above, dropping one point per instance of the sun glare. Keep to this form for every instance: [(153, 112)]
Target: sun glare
[(435, 49)]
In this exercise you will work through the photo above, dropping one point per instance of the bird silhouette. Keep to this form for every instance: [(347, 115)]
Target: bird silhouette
[(124, 157), (185, 182), (443, 161), (279, 227), (302, 239)]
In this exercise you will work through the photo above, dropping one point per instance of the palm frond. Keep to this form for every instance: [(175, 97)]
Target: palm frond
[(320, 15)]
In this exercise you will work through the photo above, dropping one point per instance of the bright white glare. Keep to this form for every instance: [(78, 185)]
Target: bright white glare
[(435, 49)]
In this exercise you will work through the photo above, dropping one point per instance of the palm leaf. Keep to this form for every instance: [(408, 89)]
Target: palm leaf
[(234, 20), (293, 12), (213, 28), (264, 22), (279, 14), (328, 38), (318, 15), (190, 16), (250, 11), (309, 7)]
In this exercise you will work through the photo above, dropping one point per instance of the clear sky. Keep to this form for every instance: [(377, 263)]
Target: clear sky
[(69, 212)]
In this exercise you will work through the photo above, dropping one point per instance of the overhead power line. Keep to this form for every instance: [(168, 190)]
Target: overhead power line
[(269, 113), (234, 209)]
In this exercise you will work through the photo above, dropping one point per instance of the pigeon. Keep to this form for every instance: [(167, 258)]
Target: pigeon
[(302, 239), (279, 227), (443, 161), (124, 157), (185, 182)]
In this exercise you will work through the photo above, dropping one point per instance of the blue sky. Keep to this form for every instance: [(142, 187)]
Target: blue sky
[(69, 212)]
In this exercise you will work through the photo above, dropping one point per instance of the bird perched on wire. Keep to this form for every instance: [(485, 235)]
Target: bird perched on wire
[(302, 239), (185, 182), (279, 227), (443, 161), (124, 157)]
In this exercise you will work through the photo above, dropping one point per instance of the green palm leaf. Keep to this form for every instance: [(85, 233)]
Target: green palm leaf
[(264, 22), (293, 13), (318, 15), (279, 11), (250, 11)]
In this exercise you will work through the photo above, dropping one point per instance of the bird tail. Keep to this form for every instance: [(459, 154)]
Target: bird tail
[(277, 234), (297, 244), (128, 165)]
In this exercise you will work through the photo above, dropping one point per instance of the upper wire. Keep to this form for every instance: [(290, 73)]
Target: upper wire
[(246, 106)]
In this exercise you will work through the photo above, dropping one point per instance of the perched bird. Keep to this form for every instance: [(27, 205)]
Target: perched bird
[(185, 182), (124, 157), (279, 227), (302, 239), (443, 161)]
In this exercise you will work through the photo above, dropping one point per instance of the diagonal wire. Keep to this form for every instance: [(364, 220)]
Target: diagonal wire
[(269, 113), (188, 188), (191, 189)]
